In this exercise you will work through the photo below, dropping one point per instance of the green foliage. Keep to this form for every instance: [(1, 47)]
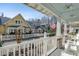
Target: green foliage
[(49, 30), (0, 44)]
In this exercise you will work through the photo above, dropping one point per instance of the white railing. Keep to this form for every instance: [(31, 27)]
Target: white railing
[(39, 47), (11, 37), (51, 44)]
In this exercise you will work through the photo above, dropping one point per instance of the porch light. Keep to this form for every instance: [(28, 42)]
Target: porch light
[(68, 6)]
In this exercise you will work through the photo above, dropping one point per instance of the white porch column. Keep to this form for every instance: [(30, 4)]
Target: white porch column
[(45, 42), (65, 33), (65, 29), (70, 29), (58, 30), (45, 34)]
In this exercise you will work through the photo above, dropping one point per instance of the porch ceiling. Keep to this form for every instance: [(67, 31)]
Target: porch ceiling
[(67, 11)]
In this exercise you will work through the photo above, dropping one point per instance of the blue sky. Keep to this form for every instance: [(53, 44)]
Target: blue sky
[(12, 9)]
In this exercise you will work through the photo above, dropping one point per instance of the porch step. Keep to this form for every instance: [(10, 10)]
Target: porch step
[(57, 52)]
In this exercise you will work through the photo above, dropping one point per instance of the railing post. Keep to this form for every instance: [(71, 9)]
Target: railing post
[(63, 41), (45, 47), (14, 51), (19, 50), (24, 50), (28, 49), (45, 34), (39, 49), (0, 51), (45, 44), (56, 42), (7, 52), (34, 49), (0, 40), (31, 49)]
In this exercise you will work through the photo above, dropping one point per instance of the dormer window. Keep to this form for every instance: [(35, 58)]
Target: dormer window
[(17, 22)]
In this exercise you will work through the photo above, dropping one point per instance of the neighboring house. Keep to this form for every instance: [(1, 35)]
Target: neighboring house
[(38, 28), (41, 28), (8, 26)]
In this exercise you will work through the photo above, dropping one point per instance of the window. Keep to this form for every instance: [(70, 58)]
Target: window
[(17, 22)]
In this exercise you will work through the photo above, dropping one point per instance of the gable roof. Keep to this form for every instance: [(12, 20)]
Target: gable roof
[(17, 16), (20, 16), (4, 20)]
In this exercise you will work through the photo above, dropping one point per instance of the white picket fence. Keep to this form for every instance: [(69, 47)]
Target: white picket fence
[(11, 37), (39, 47)]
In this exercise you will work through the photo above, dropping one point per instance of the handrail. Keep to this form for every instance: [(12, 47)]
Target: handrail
[(11, 37), (38, 47)]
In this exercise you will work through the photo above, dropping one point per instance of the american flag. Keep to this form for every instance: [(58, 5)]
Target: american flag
[(53, 26)]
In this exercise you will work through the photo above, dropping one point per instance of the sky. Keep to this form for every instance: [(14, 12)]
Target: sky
[(12, 9)]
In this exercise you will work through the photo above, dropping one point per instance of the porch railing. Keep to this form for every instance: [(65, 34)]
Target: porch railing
[(12, 37), (39, 47)]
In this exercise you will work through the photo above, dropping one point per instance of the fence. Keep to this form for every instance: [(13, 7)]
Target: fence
[(39, 47), (12, 37)]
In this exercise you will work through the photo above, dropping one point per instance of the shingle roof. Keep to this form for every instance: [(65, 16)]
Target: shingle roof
[(44, 27)]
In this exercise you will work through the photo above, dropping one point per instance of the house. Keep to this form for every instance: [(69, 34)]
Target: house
[(8, 25), (41, 28), (38, 28)]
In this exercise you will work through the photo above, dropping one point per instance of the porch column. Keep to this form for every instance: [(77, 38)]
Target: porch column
[(58, 29), (70, 29), (65, 29), (65, 33), (45, 34)]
